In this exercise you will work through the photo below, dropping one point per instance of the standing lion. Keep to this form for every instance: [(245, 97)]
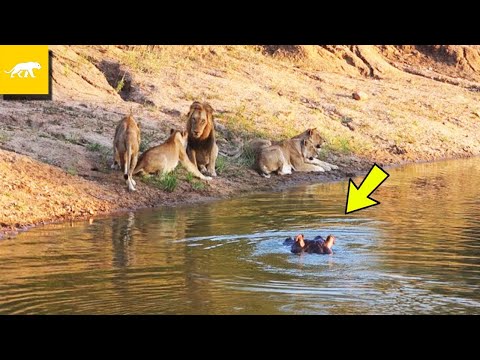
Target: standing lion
[(126, 144), (202, 148)]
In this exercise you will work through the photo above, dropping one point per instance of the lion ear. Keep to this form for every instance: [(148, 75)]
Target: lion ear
[(172, 131), (184, 133), (208, 107), (310, 131), (195, 105), (304, 142)]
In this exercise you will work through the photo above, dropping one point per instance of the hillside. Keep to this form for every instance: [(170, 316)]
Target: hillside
[(422, 105)]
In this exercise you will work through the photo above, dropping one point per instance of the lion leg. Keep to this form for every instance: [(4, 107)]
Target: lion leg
[(213, 160), (286, 169), (192, 155), (126, 170), (332, 166), (133, 164), (187, 164), (116, 159), (264, 171), (322, 164), (309, 168), (327, 166), (29, 71), (15, 72)]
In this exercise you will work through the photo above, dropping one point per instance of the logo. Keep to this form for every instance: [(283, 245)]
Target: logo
[(24, 70), (27, 67)]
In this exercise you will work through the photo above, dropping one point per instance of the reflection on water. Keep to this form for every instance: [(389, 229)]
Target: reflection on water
[(418, 252)]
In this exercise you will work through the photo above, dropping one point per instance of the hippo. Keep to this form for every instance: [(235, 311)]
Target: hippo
[(316, 246)]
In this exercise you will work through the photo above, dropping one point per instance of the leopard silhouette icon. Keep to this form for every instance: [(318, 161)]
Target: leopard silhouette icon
[(26, 68)]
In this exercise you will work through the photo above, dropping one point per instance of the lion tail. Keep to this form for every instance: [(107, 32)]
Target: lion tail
[(8, 72), (127, 162)]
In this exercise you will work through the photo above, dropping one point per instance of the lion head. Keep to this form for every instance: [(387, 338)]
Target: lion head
[(181, 136), (36, 65), (309, 150), (314, 136), (200, 120)]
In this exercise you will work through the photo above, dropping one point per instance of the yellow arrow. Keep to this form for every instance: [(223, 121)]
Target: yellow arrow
[(359, 197)]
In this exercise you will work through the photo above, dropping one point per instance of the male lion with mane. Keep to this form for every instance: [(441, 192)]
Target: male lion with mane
[(202, 148)]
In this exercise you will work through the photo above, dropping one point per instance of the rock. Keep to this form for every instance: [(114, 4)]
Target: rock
[(360, 95), (220, 128)]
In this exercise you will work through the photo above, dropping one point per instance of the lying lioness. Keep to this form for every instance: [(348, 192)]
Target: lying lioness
[(164, 158), (258, 145), (287, 156)]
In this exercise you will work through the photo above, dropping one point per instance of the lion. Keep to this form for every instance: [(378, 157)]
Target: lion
[(126, 144), (202, 148), (164, 158), (318, 141), (311, 134), (26, 67), (287, 156)]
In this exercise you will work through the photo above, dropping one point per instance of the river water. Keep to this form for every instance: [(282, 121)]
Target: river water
[(418, 252)]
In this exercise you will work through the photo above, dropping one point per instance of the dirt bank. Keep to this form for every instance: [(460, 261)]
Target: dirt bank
[(421, 105)]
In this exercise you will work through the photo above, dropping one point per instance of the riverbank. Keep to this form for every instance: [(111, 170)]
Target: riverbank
[(37, 193), (55, 155)]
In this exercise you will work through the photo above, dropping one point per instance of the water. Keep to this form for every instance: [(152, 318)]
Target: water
[(416, 253)]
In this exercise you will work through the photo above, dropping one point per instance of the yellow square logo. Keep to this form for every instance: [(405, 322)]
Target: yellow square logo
[(24, 69)]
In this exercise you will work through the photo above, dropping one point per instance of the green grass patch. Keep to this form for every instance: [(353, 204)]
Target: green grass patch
[(247, 158), (167, 182), (4, 138), (72, 171), (120, 84), (194, 182), (94, 147), (221, 164)]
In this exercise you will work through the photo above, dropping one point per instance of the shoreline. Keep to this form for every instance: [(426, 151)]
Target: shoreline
[(295, 180)]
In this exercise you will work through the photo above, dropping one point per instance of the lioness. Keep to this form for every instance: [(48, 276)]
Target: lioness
[(311, 134), (287, 156), (126, 144), (318, 141), (164, 158), (202, 148)]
